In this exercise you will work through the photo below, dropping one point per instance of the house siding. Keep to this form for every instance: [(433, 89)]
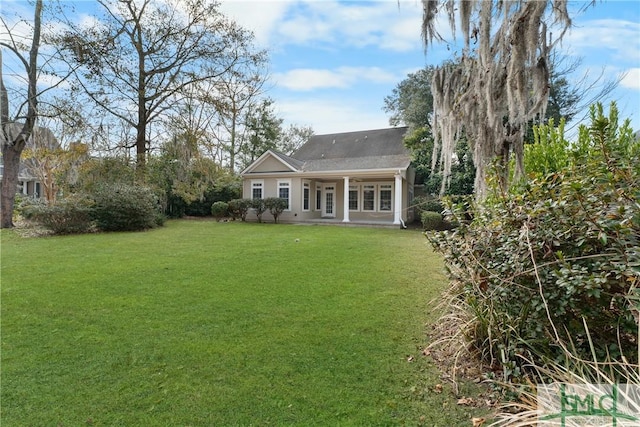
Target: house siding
[(376, 157), (297, 214)]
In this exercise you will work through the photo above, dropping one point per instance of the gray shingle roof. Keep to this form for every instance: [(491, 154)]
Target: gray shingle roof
[(290, 160), (370, 149)]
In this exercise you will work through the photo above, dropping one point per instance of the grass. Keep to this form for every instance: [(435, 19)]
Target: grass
[(202, 323)]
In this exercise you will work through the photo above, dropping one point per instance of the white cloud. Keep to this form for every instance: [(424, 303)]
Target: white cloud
[(261, 17), (631, 79), (327, 116), (619, 38), (308, 79), (388, 25)]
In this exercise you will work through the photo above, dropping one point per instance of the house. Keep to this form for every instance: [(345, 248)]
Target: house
[(28, 185), (352, 177)]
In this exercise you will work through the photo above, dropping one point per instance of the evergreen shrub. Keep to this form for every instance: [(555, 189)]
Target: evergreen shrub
[(239, 208), (124, 207), (538, 263), (71, 215), (220, 209)]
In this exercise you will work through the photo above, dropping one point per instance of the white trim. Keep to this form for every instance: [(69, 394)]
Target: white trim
[(385, 187), (372, 187), (257, 183), (284, 183), (356, 188), (262, 158), (306, 185), (345, 200), (329, 188), (317, 199), (397, 208)]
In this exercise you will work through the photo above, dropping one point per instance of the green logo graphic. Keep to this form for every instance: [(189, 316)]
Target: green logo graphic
[(616, 405)]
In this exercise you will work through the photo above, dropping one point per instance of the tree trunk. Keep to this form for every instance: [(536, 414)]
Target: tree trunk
[(11, 158), (141, 151), (12, 146)]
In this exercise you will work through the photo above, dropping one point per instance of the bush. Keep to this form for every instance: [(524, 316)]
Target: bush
[(72, 215), (239, 208), (220, 210), (123, 207), (427, 203), (28, 207), (432, 220), (221, 192), (258, 207), (535, 265), (276, 206)]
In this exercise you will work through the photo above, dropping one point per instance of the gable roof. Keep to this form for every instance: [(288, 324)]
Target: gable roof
[(273, 161), (349, 151), (367, 143), (369, 149)]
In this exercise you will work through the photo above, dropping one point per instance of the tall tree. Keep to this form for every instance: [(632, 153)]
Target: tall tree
[(500, 83), (293, 137), (139, 56), (411, 102), (264, 131), (13, 143), (234, 95)]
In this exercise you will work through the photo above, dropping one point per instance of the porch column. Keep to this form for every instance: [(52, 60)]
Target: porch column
[(397, 207), (345, 200)]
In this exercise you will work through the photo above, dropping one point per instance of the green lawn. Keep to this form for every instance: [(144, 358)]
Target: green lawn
[(215, 324)]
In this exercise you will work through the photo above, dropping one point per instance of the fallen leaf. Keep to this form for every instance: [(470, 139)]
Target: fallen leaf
[(467, 401), (477, 422), (438, 388)]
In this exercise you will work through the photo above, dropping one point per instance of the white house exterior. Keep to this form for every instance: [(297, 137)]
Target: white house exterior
[(353, 177)]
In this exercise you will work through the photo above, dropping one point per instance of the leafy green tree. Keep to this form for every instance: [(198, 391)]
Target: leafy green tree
[(264, 131), (411, 103), (97, 171)]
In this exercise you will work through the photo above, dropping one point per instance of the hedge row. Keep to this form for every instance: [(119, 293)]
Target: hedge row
[(113, 207)]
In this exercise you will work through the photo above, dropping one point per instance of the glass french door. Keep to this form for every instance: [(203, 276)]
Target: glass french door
[(328, 207)]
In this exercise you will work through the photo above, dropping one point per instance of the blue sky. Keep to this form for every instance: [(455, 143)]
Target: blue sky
[(333, 62)]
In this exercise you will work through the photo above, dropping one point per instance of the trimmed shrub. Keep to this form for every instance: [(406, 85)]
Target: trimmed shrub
[(276, 206), (259, 207), (431, 220), (239, 208), (72, 215), (220, 210), (123, 207)]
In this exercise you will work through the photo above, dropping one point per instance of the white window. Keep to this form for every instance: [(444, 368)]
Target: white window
[(369, 197), (354, 199), (257, 189), (385, 196), (318, 197), (284, 192), (306, 196)]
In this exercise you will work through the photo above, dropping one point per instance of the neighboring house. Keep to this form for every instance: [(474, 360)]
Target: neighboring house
[(353, 177), (28, 185), (28, 182)]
